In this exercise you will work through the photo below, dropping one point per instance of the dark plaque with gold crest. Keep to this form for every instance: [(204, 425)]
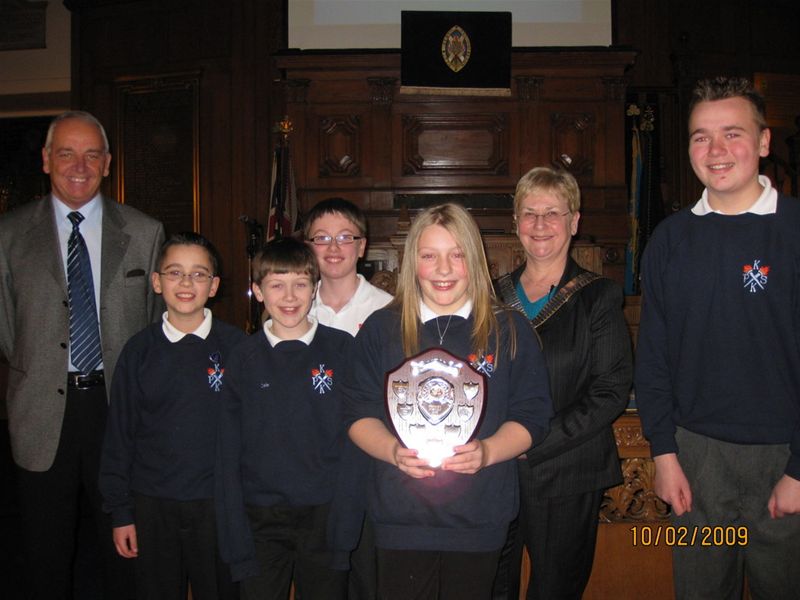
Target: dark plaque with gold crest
[(435, 401), (455, 52)]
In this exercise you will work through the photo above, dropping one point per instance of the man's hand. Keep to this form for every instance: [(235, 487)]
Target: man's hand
[(671, 484)]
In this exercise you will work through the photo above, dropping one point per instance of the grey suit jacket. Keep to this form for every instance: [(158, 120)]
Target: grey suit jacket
[(34, 315)]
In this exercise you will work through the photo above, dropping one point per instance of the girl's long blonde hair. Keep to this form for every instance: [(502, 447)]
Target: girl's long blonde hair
[(458, 222)]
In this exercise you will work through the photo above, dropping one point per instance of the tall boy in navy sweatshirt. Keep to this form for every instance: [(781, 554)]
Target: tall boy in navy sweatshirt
[(157, 467), (718, 362), (281, 437)]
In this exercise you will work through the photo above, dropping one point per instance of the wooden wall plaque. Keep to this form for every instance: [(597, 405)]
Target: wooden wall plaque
[(157, 148)]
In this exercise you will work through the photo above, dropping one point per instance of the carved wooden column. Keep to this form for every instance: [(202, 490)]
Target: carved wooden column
[(382, 91), (634, 500), (624, 567), (529, 88)]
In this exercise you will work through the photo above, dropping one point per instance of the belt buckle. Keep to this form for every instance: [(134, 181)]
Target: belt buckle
[(73, 379), (79, 381), (83, 382)]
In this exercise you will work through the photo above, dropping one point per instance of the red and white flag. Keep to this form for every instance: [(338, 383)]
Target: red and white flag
[(282, 221)]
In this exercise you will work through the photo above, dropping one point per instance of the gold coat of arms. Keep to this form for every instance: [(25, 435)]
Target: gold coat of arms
[(456, 48)]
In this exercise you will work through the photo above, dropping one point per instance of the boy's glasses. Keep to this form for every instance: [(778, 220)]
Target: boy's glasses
[(195, 276), (343, 239)]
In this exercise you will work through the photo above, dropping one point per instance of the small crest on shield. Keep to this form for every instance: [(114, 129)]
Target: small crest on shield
[(456, 48), (435, 398)]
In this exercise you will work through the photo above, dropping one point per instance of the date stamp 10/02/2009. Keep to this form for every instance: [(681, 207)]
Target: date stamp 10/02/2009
[(669, 535)]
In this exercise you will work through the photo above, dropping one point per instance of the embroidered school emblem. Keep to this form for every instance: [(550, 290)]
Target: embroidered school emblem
[(483, 363), (322, 379), (456, 48), (215, 372), (755, 276)]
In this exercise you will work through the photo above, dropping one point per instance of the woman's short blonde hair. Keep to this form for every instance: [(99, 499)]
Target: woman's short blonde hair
[(544, 179)]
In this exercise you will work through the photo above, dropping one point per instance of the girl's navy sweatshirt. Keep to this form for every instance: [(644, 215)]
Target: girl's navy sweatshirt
[(450, 511)]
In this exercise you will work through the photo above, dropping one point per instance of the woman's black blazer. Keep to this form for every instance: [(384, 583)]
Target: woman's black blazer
[(587, 348)]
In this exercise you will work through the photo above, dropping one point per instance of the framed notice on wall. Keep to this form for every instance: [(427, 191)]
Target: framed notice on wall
[(157, 148)]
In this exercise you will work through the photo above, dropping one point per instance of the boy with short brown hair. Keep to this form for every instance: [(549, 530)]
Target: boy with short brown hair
[(716, 377), (336, 230), (281, 437), (157, 466)]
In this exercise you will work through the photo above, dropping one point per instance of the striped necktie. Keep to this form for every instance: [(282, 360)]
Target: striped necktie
[(84, 333)]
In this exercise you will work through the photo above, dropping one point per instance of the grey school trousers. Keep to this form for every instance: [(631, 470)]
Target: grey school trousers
[(729, 526)]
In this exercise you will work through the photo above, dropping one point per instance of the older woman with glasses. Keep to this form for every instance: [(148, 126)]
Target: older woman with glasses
[(578, 316)]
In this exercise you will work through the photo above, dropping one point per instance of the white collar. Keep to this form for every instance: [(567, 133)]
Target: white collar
[(426, 314), (766, 204), (175, 335), (306, 338), (356, 297), (93, 209)]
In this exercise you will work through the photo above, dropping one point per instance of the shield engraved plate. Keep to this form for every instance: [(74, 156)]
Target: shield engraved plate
[(435, 401)]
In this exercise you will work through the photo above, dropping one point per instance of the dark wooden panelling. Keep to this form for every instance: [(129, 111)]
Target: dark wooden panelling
[(340, 147), (156, 148), (231, 43), (227, 44), (467, 144), (360, 136), (196, 34), (127, 39), (572, 143), (680, 41)]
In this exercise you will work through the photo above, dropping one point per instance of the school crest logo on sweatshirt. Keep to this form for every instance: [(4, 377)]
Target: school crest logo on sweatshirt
[(755, 276), (215, 372), (322, 379), (482, 363)]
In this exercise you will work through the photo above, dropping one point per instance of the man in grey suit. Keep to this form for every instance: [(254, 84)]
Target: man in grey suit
[(57, 396)]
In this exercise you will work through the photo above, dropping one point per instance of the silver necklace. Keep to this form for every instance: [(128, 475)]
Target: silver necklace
[(440, 332)]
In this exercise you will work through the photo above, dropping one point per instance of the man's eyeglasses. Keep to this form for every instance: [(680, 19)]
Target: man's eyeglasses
[(196, 276), (343, 239), (550, 217)]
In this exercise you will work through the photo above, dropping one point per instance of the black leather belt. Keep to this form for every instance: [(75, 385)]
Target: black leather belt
[(81, 381)]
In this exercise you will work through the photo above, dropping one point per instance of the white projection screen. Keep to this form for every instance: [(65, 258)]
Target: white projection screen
[(355, 24)]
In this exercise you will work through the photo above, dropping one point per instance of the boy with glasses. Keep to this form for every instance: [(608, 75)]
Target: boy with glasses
[(157, 466), (336, 231)]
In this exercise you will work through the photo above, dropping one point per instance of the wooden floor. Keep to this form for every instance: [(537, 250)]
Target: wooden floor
[(628, 572)]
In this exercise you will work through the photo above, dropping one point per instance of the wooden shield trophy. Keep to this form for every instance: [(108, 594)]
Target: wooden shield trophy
[(435, 401)]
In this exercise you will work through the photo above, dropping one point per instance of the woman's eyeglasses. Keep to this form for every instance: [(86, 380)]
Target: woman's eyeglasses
[(550, 217)]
